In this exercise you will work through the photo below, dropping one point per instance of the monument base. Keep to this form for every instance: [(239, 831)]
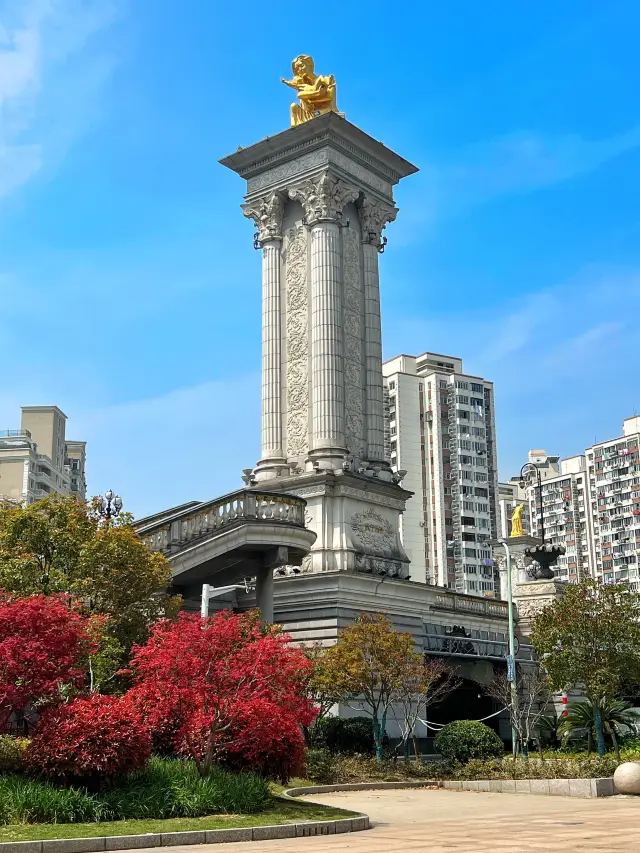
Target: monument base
[(534, 596), (355, 519)]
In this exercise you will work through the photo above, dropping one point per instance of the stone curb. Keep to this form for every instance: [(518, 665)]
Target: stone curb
[(170, 839), (585, 788)]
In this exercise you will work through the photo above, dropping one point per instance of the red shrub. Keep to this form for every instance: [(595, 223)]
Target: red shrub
[(236, 689), (263, 739), (43, 642), (90, 740)]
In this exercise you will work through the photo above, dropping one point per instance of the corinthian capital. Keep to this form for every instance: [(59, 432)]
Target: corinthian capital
[(266, 212), (374, 215), (323, 198)]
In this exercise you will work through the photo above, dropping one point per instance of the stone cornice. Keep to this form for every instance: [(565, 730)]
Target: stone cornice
[(327, 129)]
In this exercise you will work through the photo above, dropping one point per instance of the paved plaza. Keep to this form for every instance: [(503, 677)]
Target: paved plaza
[(449, 821)]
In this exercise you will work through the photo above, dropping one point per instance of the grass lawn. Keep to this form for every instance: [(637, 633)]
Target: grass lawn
[(281, 811)]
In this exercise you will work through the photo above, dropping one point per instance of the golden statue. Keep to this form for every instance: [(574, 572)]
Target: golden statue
[(516, 521), (317, 92)]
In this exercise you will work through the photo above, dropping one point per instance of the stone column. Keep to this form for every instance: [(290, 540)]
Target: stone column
[(271, 356), (373, 217), (266, 212), (323, 200), (264, 593), (327, 352)]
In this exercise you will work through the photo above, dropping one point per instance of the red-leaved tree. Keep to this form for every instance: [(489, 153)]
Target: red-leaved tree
[(44, 644), (89, 740), (234, 689)]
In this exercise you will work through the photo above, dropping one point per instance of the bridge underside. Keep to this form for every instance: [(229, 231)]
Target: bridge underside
[(238, 537)]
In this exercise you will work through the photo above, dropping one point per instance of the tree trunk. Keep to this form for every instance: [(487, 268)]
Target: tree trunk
[(589, 742), (616, 745), (602, 747), (377, 736), (416, 748)]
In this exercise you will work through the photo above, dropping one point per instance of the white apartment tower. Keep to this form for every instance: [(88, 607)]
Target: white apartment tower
[(613, 469), (440, 429), (38, 461), (590, 503), (561, 503)]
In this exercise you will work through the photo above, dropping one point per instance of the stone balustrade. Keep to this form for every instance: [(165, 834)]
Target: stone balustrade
[(471, 604), (175, 532)]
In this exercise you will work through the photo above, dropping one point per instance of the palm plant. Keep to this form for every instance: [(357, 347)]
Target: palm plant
[(581, 719), (548, 729)]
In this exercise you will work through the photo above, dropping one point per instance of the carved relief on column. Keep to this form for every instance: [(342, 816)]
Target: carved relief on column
[(374, 216), (353, 332), (266, 212), (297, 337), (323, 198)]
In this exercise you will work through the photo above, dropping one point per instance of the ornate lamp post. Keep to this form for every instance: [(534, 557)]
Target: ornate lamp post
[(544, 554), (110, 505)]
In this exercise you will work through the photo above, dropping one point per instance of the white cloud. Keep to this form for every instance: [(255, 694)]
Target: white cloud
[(527, 161), (44, 69), (190, 443), (562, 370), (513, 164)]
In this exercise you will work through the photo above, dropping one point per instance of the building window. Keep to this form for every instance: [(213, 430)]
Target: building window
[(477, 388), (392, 385)]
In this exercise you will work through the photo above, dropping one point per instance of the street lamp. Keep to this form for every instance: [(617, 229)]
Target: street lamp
[(545, 554), (109, 505), (526, 472)]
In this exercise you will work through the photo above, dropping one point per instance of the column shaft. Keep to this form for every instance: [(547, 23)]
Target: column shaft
[(327, 361), (264, 594), (373, 355), (272, 439)]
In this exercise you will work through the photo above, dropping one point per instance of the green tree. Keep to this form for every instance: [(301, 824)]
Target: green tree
[(321, 688), (371, 665), (61, 545), (590, 638)]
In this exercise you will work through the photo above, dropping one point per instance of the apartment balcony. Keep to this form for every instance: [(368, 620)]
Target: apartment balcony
[(15, 433)]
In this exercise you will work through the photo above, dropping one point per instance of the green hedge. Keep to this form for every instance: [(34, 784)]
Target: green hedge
[(326, 769), (348, 736), (465, 740), (12, 751), (165, 789)]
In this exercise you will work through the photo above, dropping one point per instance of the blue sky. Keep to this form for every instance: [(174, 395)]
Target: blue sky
[(129, 289)]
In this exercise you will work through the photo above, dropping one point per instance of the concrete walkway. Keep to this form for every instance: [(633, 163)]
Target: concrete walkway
[(425, 821)]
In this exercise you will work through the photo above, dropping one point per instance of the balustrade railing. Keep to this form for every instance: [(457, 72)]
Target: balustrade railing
[(471, 604), (174, 532)]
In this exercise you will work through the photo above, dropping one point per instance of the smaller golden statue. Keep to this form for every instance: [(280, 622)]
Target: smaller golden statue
[(516, 521), (316, 92)]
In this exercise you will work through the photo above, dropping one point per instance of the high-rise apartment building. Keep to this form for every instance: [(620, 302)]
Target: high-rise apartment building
[(37, 460), (559, 509), (613, 469), (590, 503), (440, 429)]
